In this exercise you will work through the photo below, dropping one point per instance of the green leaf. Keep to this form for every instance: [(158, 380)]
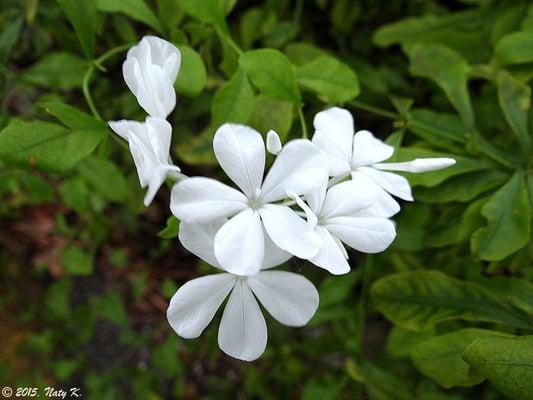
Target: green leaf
[(82, 16), (515, 48), (436, 127), (508, 215), (71, 117), (270, 114), (45, 146), (171, 230), (57, 70), (515, 100), (462, 188), (517, 291), (329, 78), (192, 77), (76, 261), (400, 341), (319, 390), (439, 357), (420, 300), (9, 37), (135, 9), (105, 178), (430, 179), (272, 72), (75, 194), (208, 11), (301, 53), (505, 361), (448, 70), (233, 102)]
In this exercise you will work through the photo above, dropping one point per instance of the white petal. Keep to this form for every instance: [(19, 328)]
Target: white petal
[(151, 86), (274, 255), (240, 245), (330, 256), (162, 53), (199, 239), (315, 198), (395, 184), (273, 142), (311, 217), (333, 136), (243, 332), (383, 204), (368, 149), (290, 298), (366, 234), (157, 178), (347, 198), (290, 232), (204, 199), (159, 133), (241, 153), (299, 167), (418, 165), (195, 303)]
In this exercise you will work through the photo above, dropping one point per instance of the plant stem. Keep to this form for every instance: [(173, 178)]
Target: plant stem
[(231, 43), (302, 121), (374, 110), (87, 92)]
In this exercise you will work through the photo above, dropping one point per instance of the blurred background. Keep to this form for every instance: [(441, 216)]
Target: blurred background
[(86, 271)]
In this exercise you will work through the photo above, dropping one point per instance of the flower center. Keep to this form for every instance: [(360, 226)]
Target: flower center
[(255, 201)]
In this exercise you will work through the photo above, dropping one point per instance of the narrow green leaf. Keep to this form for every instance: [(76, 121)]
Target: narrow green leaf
[(272, 72), (82, 16), (448, 70), (192, 77), (420, 300), (71, 117), (105, 178), (57, 70), (505, 361), (45, 146), (9, 37), (329, 78), (439, 357), (517, 291), (515, 48), (436, 127), (515, 100), (233, 102), (508, 215), (135, 9)]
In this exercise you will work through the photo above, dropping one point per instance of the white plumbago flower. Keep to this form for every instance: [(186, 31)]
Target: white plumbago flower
[(290, 298), (361, 154), (342, 214), (273, 142), (150, 70), (239, 244), (149, 143)]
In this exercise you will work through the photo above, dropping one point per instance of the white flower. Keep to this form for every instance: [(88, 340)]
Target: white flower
[(273, 142), (288, 297), (361, 156), (342, 214), (150, 70), (149, 146), (239, 244)]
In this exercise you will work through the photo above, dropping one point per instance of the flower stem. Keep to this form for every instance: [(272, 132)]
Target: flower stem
[(229, 41), (373, 109), (302, 122)]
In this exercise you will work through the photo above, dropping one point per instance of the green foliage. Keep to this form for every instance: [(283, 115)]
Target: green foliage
[(444, 313)]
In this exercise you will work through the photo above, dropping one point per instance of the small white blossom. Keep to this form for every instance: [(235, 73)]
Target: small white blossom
[(290, 298), (149, 144), (239, 244), (361, 154), (342, 214), (273, 142), (150, 70)]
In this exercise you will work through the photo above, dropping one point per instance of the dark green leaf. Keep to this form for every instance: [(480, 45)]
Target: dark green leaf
[(208, 11), (57, 70), (515, 48), (135, 9), (72, 117), (420, 300), (192, 77), (508, 215), (506, 361), (233, 102), (271, 114), (105, 178), (515, 100), (82, 16), (45, 146), (76, 261), (171, 230), (9, 37)]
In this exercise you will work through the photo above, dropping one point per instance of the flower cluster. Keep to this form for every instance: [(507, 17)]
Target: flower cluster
[(318, 197)]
